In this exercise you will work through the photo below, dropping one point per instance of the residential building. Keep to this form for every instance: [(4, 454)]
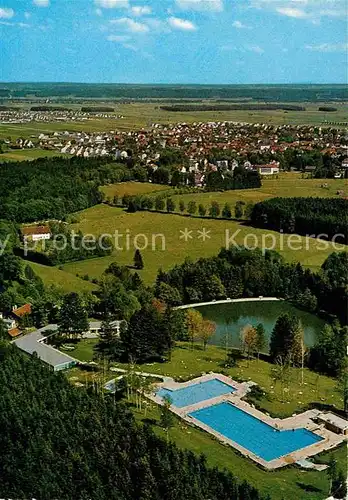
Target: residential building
[(36, 233)]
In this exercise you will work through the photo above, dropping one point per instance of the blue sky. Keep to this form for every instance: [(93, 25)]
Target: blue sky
[(174, 41)]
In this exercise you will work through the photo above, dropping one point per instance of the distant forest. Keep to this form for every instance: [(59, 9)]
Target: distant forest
[(268, 93), (233, 107)]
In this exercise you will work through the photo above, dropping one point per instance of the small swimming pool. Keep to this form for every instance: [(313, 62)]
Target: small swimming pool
[(251, 433), (196, 393)]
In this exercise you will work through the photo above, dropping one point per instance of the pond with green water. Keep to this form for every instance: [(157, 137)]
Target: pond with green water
[(232, 317)]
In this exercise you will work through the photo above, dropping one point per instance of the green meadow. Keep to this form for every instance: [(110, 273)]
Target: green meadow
[(166, 245)]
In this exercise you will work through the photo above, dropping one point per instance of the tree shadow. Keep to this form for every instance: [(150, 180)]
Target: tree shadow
[(308, 487)]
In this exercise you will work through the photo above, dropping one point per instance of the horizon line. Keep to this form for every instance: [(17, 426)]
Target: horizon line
[(168, 83)]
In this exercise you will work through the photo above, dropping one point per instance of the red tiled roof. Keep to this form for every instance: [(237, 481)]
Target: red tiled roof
[(21, 311), (14, 332), (31, 230)]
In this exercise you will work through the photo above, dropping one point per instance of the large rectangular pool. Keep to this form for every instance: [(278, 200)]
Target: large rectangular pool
[(196, 393), (251, 433)]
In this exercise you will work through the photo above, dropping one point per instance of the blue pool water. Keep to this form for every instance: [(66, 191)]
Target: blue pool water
[(196, 392), (253, 434)]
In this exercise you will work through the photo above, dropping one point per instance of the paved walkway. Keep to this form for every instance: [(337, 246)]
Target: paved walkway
[(230, 301)]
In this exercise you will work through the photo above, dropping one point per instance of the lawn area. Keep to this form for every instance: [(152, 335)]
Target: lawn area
[(279, 401), (83, 350), (187, 364), (52, 276), (132, 188), (29, 154), (105, 219)]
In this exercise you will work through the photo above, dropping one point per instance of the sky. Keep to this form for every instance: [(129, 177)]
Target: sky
[(174, 41)]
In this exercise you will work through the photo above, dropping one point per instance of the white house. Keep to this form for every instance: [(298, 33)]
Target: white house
[(36, 233), (270, 169)]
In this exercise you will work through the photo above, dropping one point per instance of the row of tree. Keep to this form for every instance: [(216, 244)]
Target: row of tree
[(160, 204)]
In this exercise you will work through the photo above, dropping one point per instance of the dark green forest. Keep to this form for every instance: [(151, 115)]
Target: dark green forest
[(271, 93), (53, 188), (232, 107), (326, 217), (239, 273), (60, 442)]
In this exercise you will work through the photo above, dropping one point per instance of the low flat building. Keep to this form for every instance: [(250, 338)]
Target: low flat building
[(334, 423), (34, 343), (270, 169)]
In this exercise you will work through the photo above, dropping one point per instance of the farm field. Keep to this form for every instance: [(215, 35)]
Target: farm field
[(142, 115), (286, 185), (29, 154), (169, 249)]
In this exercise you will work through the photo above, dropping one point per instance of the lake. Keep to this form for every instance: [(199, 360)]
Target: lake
[(231, 318)]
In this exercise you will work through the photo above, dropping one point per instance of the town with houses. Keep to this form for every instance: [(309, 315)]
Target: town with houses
[(199, 142), (23, 116)]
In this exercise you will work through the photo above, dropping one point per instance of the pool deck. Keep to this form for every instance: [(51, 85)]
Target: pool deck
[(304, 420)]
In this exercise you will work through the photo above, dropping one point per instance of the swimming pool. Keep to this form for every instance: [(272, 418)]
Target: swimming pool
[(251, 433), (196, 393)]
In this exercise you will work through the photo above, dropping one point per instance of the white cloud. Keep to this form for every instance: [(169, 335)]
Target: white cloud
[(157, 26), (328, 47), (41, 3), (131, 25), (291, 12), (6, 13), (112, 4), (141, 11), (9, 23), (181, 24), (118, 38), (249, 48), (312, 10), (255, 48), (130, 46), (201, 5), (27, 15), (99, 12), (239, 25)]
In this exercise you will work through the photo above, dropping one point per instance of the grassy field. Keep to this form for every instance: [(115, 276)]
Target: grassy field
[(29, 154), (287, 184), (170, 248), (67, 282), (288, 483), (142, 115), (131, 188)]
